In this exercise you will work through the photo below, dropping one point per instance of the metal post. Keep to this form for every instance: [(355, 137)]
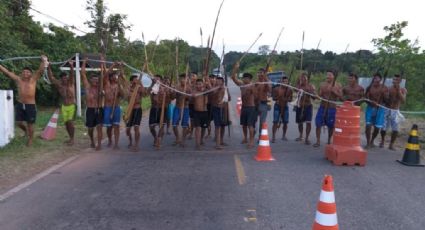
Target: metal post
[(78, 83)]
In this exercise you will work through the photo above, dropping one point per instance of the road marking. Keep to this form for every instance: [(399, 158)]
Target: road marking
[(240, 172), (251, 215), (36, 178)]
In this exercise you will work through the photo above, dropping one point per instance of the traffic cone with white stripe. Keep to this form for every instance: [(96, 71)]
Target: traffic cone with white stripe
[(264, 151), (326, 218), (49, 133)]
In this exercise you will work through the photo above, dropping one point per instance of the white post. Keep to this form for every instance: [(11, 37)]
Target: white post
[(78, 83)]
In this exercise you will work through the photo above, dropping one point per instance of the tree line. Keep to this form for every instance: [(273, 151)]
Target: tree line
[(22, 36)]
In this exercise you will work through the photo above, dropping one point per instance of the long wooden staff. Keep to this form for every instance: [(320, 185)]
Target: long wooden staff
[(250, 47), (129, 110), (269, 60), (212, 41), (302, 52)]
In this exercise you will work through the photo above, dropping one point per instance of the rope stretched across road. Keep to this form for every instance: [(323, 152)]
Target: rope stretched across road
[(301, 91)]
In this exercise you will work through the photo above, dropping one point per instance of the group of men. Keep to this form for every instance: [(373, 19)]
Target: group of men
[(382, 110), (193, 103)]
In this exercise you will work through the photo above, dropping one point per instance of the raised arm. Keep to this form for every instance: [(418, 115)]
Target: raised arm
[(55, 81), (9, 74), (83, 74), (234, 72), (43, 65), (71, 72)]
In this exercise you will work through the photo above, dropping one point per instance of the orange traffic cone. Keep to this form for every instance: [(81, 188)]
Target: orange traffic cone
[(264, 152), (239, 106), (326, 218), (49, 133)]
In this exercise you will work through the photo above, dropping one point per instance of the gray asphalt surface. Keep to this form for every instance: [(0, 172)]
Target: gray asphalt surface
[(177, 188)]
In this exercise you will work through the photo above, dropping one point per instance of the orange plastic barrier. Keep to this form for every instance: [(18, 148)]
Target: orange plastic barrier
[(346, 149)]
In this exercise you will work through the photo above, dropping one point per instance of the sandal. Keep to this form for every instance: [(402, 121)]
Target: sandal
[(316, 145)]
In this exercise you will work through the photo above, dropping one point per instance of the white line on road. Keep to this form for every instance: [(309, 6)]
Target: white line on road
[(37, 177)]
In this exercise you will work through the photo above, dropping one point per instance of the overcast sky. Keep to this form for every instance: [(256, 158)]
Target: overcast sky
[(336, 22)]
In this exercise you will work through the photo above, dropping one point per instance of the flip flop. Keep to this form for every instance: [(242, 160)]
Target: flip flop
[(299, 139), (316, 145)]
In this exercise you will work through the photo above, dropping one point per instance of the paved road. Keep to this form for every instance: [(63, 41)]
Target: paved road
[(177, 188)]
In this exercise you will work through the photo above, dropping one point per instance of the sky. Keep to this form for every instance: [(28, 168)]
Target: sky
[(335, 22)]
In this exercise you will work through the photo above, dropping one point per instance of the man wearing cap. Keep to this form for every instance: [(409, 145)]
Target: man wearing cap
[(248, 111)]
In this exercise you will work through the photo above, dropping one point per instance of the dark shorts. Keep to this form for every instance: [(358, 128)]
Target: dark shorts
[(26, 112), (304, 115), (278, 116), (324, 117), (248, 116), (210, 113), (155, 116), (200, 119), (218, 116), (191, 110), (135, 119), (94, 117)]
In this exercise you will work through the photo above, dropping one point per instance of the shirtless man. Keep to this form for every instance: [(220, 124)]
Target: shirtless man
[(66, 89), (181, 110), (262, 96), (191, 85), (212, 79), (304, 109), (283, 95), (248, 111), (115, 90), (200, 112), (374, 115), (217, 108), (135, 118), (397, 95), (353, 91), (94, 111), (159, 95), (25, 108), (326, 114)]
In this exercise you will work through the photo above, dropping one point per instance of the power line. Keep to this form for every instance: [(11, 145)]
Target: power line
[(51, 17)]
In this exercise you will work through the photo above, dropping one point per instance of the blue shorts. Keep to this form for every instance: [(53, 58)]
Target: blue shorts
[(325, 119), (177, 117), (277, 116), (391, 120), (218, 116), (304, 114), (109, 120), (262, 111), (170, 111), (375, 116)]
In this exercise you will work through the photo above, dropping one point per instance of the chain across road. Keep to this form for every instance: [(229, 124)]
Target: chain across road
[(300, 91)]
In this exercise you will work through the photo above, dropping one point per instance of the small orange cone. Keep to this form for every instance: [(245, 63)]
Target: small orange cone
[(239, 106), (49, 133), (264, 152), (326, 218)]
